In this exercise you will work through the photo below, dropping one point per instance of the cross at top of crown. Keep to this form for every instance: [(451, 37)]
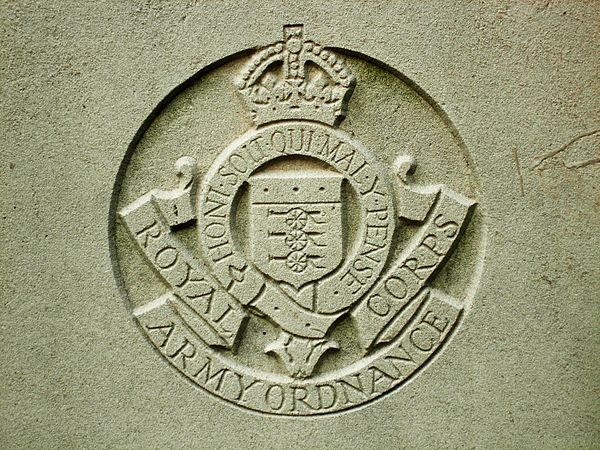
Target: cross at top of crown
[(296, 79)]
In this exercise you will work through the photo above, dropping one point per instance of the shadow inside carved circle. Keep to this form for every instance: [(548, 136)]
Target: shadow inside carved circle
[(388, 113)]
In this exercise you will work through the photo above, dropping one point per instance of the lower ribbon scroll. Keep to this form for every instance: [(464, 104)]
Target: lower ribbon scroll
[(207, 309)]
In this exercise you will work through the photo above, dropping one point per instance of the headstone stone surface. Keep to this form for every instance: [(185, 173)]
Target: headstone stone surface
[(300, 225)]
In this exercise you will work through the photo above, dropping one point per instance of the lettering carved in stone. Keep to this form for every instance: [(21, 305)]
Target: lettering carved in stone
[(297, 226)]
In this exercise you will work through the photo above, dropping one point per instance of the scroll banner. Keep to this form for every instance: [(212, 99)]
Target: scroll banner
[(209, 310), (382, 314), (424, 334)]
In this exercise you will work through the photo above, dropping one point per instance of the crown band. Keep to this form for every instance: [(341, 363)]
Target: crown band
[(296, 79)]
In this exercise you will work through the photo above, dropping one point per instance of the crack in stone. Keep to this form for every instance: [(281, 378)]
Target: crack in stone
[(540, 159), (519, 173), (581, 164)]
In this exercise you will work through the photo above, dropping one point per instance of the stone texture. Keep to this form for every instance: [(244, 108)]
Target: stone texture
[(517, 79)]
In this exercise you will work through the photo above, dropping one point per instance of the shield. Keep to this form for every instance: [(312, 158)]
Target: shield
[(296, 225)]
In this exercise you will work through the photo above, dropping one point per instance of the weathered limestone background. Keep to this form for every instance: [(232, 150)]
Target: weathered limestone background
[(518, 79)]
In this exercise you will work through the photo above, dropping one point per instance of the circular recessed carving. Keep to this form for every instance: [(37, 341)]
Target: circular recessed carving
[(322, 241)]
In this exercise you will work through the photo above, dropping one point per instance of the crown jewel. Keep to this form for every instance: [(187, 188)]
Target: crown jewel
[(296, 79)]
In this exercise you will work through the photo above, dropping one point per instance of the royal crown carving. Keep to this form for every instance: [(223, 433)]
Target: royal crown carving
[(296, 79)]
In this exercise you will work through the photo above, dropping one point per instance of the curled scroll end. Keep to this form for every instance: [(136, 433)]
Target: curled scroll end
[(178, 205), (414, 202), (405, 165), (186, 169)]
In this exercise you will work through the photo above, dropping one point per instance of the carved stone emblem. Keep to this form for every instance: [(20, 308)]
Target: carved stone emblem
[(298, 233)]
